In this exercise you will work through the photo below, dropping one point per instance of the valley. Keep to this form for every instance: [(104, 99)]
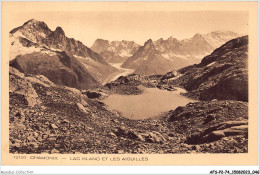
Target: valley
[(121, 72)]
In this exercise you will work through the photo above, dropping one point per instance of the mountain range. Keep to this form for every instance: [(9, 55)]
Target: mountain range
[(35, 49), (161, 56), (115, 51)]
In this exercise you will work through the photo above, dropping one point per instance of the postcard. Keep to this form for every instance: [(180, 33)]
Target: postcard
[(129, 83)]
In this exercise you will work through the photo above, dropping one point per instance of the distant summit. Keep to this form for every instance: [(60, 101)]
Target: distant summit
[(115, 51), (174, 54), (33, 30), (100, 45), (59, 31)]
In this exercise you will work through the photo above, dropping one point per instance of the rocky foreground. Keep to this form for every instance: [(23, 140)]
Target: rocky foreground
[(48, 118)]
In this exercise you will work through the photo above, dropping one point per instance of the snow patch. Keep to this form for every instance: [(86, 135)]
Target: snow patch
[(42, 34), (48, 52), (124, 53), (53, 49), (111, 49), (174, 78), (170, 55), (16, 35), (211, 64), (18, 49), (80, 57), (117, 65)]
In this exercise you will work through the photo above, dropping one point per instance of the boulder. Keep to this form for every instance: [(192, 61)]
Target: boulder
[(136, 135), (93, 94), (35, 80), (55, 151), (31, 138), (120, 151), (236, 130), (112, 134), (73, 90), (15, 72), (53, 126), (81, 108), (209, 118), (140, 137), (17, 126), (215, 135), (169, 75), (20, 85), (156, 137), (195, 147), (65, 121)]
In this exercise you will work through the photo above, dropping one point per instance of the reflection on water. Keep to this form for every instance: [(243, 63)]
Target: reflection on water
[(149, 104)]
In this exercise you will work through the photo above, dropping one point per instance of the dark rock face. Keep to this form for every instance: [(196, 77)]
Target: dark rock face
[(221, 75), (60, 68), (100, 45), (58, 40), (92, 94), (169, 75)]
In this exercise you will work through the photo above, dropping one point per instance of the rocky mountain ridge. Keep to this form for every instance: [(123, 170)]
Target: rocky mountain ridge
[(165, 55), (38, 32), (149, 61), (221, 75), (115, 51), (35, 40)]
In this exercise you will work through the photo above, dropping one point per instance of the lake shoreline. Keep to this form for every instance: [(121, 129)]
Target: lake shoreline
[(151, 103)]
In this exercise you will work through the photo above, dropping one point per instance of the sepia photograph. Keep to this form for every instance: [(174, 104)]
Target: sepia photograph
[(128, 82)]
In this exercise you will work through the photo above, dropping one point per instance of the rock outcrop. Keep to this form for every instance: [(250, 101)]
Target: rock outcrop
[(21, 86), (60, 68), (130, 84), (221, 75), (217, 122)]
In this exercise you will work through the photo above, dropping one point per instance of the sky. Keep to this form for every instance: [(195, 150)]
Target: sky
[(138, 26)]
